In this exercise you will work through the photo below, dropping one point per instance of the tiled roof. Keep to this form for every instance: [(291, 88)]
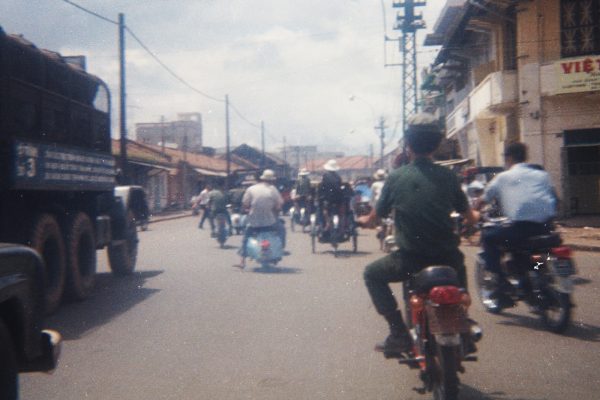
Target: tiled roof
[(140, 152), (345, 163), (153, 154)]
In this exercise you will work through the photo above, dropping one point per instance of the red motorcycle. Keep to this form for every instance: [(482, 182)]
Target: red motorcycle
[(443, 335)]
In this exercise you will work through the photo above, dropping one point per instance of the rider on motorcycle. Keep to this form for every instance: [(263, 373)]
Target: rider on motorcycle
[(263, 203), (527, 198), (422, 196), (331, 196), (217, 204)]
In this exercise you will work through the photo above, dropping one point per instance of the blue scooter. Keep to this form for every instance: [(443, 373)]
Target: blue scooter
[(266, 247)]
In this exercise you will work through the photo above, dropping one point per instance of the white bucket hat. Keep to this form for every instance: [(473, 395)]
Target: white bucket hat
[(303, 172), (379, 174), (331, 165), (268, 175)]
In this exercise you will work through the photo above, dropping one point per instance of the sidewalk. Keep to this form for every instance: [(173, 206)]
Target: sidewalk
[(581, 232), (169, 215)]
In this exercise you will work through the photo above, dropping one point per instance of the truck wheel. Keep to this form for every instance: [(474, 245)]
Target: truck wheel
[(9, 379), (81, 256), (123, 255), (45, 237)]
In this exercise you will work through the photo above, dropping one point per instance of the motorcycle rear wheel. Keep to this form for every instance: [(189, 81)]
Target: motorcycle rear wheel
[(486, 284), (445, 384), (556, 312)]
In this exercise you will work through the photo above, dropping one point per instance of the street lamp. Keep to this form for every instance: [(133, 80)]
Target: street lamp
[(380, 127)]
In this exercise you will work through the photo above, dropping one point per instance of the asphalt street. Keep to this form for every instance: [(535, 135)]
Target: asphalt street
[(188, 325)]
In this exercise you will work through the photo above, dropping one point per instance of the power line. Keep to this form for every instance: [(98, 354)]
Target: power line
[(169, 70), (102, 17), (239, 114)]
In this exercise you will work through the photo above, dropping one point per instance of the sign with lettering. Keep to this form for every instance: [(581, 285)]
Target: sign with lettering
[(47, 167), (581, 74)]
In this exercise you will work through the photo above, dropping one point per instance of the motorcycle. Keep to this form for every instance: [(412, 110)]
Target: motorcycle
[(265, 247), (238, 220), (539, 273), (443, 335), (300, 216), (221, 229), (335, 231)]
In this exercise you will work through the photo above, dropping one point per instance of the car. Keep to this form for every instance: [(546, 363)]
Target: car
[(24, 345)]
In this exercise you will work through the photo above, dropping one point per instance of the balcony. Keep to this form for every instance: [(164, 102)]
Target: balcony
[(458, 118), (496, 94)]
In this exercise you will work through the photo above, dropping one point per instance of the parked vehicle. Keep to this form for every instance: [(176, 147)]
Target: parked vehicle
[(24, 346), (539, 273), (443, 335), (58, 175), (265, 247), (134, 198)]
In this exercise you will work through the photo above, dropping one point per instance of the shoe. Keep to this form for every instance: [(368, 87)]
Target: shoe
[(503, 299), (395, 346)]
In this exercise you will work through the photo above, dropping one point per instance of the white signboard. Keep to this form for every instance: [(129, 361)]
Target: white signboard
[(576, 75)]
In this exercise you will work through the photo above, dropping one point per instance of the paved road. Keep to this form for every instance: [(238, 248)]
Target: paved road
[(187, 325)]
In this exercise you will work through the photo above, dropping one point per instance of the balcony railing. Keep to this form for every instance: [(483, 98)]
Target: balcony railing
[(495, 94)]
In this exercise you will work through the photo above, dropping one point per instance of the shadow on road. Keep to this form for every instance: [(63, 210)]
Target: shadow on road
[(470, 393), (581, 281), (276, 270), (577, 330), (112, 297), (347, 253)]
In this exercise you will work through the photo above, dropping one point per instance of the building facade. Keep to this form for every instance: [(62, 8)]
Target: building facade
[(185, 133), (526, 71)]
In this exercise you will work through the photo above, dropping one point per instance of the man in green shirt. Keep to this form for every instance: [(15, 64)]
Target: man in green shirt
[(217, 204), (422, 196)]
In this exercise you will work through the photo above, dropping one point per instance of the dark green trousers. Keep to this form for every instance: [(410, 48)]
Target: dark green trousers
[(398, 267)]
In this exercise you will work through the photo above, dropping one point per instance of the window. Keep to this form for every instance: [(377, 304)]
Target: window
[(580, 27)]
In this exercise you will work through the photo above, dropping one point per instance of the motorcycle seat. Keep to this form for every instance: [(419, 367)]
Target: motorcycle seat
[(437, 275), (543, 241)]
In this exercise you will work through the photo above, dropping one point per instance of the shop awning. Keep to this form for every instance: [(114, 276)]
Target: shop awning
[(152, 166), (451, 163), (207, 172)]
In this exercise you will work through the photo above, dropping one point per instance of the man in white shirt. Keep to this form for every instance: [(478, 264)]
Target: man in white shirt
[(526, 197), (263, 203), (202, 201)]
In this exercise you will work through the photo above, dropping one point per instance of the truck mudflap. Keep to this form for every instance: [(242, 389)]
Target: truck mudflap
[(51, 345)]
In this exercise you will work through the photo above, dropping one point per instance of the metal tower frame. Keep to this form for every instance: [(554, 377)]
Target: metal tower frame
[(408, 21)]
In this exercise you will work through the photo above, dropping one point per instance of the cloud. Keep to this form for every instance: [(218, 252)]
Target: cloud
[(292, 64)]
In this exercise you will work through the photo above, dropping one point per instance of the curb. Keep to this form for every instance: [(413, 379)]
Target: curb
[(583, 247), (169, 218)]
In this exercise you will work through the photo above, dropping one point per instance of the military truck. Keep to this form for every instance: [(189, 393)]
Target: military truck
[(57, 172)]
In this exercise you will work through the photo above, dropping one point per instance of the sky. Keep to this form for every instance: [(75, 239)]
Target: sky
[(292, 64)]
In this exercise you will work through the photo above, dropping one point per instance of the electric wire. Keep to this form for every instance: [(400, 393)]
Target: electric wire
[(95, 14), (169, 70)]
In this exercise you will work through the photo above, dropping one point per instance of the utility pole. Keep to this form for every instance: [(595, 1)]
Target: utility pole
[(381, 127), (122, 108), (227, 144), (371, 155), (262, 144), (408, 21), (285, 157), (162, 133)]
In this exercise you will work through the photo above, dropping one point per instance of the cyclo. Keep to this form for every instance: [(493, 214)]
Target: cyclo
[(334, 223)]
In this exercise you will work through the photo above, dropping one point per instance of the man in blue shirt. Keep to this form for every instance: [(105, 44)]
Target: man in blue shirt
[(527, 198)]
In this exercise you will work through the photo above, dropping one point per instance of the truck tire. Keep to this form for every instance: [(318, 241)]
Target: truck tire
[(45, 237), (9, 378), (123, 254), (81, 256)]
